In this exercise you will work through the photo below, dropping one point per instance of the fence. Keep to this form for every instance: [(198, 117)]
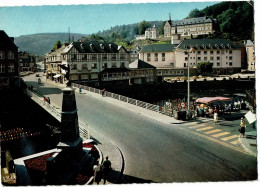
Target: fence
[(165, 110), (56, 113)]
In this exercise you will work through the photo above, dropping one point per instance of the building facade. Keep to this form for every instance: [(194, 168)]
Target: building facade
[(152, 33), (250, 53), (9, 74), (191, 26), (27, 62), (88, 59), (224, 55)]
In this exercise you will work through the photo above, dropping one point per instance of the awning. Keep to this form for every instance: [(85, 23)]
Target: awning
[(56, 76), (251, 117), (207, 100)]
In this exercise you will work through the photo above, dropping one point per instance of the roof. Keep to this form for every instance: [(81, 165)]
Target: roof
[(206, 44), (139, 64), (93, 47), (191, 21), (157, 48), (6, 42), (57, 51), (249, 43), (114, 70)]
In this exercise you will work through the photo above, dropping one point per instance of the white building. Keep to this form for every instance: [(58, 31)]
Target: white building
[(88, 59), (250, 53), (152, 33)]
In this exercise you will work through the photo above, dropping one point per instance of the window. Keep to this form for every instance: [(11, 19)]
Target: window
[(199, 58), (190, 57), (230, 52), (198, 52), (113, 65), (74, 57), (2, 55), (104, 57), (113, 56), (218, 58), (11, 67), (186, 53), (104, 65), (2, 68), (218, 63), (211, 52), (155, 56), (74, 66), (211, 58), (148, 57), (230, 58), (10, 55), (122, 64), (94, 66), (122, 56), (185, 65), (218, 52), (205, 52), (163, 56), (205, 58), (186, 58), (172, 64), (94, 57), (230, 63)]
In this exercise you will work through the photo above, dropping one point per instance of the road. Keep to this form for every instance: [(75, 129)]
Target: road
[(158, 152)]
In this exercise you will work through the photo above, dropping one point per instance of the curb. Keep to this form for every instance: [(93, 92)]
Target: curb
[(246, 149)]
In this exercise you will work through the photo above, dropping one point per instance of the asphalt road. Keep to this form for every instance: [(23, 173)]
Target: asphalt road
[(154, 151)]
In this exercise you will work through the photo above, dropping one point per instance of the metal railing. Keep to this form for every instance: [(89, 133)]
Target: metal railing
[(56, 113)]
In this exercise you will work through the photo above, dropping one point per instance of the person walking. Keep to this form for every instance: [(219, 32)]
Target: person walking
[(216, 118), (106, 169), (103, 92), (97, 172), (242, 128)]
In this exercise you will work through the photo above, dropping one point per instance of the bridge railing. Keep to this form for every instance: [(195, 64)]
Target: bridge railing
[(129, 100), (84, 133)]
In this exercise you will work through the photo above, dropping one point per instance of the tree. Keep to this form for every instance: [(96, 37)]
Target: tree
[(196, 13), (57, 45), (161, 31), (143, 26), (204, 68)]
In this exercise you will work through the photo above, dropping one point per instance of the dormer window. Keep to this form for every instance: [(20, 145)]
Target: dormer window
[(82, 46), (101, 46), (91, 46), (110, 46)]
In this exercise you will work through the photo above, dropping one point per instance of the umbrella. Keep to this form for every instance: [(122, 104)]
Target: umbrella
[(207, 100)]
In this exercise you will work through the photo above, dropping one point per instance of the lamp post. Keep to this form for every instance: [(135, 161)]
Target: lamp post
[(188, 98)]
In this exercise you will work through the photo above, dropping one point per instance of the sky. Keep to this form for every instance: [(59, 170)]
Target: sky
[(19, 20)]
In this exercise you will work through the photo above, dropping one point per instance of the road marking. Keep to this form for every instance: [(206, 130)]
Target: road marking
[(205, 128), (220, 134), (197, 126), (213, 131), (229, 137), (234, 142), (218, 141)]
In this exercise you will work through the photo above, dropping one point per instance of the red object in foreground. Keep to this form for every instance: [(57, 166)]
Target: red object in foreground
[(207, 100), (38, 163)]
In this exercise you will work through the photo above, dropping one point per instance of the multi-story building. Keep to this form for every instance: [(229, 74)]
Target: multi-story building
[(9, 74), (250, 53), (88, 59), (53, 60), (26, 62), (191, 26), (152, 33), (224, 55)]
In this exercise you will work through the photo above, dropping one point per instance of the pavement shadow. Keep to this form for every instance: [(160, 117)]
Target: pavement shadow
[(39, 88)]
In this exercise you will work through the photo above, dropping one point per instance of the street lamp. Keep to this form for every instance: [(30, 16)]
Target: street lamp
[(188, 98)]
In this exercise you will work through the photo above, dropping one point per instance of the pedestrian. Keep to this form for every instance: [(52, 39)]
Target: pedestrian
[(215, 110), (216, 118), (242, 128), (103, 92), (106, 167), (49, 100), (97, 172), (80, 89)]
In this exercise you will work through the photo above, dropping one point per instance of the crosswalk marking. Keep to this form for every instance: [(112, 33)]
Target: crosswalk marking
[(220, 134), (197, 126), (213, 131), (229, 137), (205, 128), (234, 142)]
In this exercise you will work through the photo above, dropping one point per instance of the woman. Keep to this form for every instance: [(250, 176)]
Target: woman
[(216, 118), (242, 127), (97, 172)]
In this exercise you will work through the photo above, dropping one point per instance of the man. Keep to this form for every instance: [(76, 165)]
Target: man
[(106, 169)]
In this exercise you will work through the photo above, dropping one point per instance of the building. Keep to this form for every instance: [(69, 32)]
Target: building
[(9, 74), (88, 59), (134, 53), (250, 53), (191, 26), (142, 72), (152, 33), (223, 54), (27, 62), (53, 60)]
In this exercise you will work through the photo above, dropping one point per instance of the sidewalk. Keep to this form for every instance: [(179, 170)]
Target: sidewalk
[(249, 142)]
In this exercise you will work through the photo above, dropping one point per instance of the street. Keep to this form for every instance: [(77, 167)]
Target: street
[(158, 152)]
